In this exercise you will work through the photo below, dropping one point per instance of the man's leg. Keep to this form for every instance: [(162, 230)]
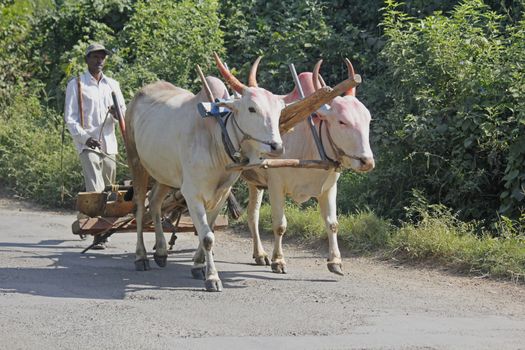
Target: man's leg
[(109, 174), (92, 169), (109, 169)]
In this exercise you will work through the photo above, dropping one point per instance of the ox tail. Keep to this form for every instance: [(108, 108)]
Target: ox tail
[(234, 208), (139, 174), (131, 147)]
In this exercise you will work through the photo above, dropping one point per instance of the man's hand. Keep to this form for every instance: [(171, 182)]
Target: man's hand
[(113, 112), (92, 143)]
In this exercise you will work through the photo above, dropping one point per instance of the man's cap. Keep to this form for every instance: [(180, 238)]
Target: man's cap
[(97, 47)]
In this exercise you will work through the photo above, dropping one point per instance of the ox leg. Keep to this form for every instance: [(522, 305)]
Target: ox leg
[(206, 240), (157, 198), (327, 205), (279, 228), (254, 206), (140, 184), (198, 270)]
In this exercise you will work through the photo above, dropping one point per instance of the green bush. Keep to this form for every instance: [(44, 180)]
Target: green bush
[(62, 33), (33, 162), (169, 38), (45, 52), (452, 112), (299, 32), (15, 26)]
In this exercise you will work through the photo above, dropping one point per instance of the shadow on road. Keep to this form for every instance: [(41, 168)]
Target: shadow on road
[(107, 275)]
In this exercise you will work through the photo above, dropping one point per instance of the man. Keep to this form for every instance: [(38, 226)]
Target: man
[(89, 116)]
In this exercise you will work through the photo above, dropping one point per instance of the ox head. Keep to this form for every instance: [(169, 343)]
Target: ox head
[(256, 115), (347, 123)]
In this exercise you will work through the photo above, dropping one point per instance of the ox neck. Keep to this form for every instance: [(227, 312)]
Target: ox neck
[(230, 154), (326, 141)]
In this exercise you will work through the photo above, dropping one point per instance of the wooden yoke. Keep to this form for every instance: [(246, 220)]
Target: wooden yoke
[(298, 111)]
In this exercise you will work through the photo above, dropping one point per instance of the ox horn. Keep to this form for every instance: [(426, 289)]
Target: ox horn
[(317, 80), (351, 75), (252, 79), (228, 76)]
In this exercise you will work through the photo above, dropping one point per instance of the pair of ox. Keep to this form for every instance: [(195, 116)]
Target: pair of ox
[(168, 141)]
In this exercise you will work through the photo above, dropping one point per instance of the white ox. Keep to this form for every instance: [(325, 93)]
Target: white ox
[(169, 141), (344, 131)]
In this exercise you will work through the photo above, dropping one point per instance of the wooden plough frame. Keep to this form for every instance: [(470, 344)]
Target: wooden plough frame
[(103, 214)]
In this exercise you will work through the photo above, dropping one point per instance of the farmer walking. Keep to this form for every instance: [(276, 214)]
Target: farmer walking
[(88, 108), (90, 118)]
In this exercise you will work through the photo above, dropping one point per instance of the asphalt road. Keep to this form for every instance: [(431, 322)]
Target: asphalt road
[(53, 297)]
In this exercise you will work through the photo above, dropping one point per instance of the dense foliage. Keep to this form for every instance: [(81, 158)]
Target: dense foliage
[(452, 122), (444, 81)]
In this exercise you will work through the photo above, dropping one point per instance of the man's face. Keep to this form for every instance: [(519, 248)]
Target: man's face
[(95, 61)]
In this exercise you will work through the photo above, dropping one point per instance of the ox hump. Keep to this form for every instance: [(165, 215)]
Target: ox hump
[(305, 78), (162, 91)]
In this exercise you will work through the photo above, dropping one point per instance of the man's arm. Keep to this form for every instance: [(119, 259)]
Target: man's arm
[(72, 115)]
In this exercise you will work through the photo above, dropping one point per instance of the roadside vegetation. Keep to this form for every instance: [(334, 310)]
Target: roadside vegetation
[(444, 81), (437, 238)]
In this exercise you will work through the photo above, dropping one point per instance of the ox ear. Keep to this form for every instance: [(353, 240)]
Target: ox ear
[(228, 104)]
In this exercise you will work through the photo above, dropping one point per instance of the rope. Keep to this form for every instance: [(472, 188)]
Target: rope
[(103, 125), (100, 152), (339, 152), (247, 136)]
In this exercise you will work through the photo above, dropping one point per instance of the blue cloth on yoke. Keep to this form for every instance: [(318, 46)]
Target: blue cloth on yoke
[(212, 109)]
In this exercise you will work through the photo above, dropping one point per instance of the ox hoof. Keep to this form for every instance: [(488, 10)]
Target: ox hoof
[(213, 285), (278, 267), (160, 260), (336, 268), (142, 265), (198, 273), (262, 260)]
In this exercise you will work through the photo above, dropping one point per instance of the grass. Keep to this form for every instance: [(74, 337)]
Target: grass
[(437, 238), (361, 232)]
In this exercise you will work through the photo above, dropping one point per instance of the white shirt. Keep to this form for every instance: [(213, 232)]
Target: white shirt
[(96, 100)]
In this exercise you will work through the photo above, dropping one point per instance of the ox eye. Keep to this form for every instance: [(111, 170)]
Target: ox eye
[(342, 123), (251, 109)]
